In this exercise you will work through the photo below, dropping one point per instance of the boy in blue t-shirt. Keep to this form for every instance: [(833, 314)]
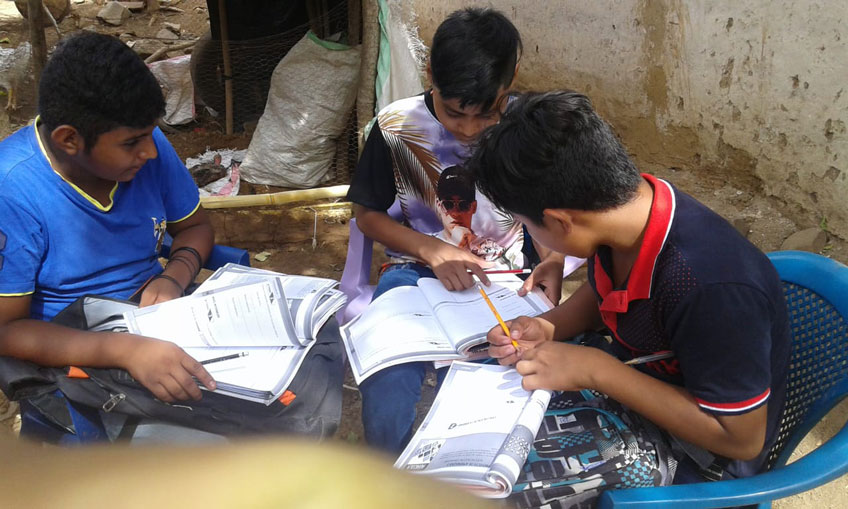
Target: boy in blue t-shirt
[(87, 193), (666, 274)]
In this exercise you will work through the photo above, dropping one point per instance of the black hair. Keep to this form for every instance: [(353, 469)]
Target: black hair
[(455, 181), (474, 54), (95, 83), (553, 151)]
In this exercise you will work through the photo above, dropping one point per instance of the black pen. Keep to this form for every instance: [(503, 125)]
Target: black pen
[(224, 358)]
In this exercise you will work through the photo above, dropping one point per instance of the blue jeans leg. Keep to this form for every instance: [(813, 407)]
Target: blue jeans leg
[(389, 396), (403, 274)]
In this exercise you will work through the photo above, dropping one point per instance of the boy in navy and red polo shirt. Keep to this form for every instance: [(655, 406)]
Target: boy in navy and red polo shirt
[(666, 274)]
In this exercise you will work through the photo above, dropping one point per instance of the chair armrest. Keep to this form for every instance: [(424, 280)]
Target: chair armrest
[(825, 463), (221, 255), (357, 269), (218, 257)]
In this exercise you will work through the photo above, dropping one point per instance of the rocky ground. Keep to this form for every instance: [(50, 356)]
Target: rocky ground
[(321, 250)]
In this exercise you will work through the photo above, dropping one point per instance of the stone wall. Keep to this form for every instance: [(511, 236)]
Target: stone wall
[(750, 91)]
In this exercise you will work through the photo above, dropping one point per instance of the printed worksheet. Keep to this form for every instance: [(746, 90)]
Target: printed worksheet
[(479, 430), (254, 314)]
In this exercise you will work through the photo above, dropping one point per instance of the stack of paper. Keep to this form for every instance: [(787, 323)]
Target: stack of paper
[(269, 317)]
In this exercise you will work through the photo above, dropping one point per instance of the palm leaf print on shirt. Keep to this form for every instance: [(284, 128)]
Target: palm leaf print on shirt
[(416, 166)]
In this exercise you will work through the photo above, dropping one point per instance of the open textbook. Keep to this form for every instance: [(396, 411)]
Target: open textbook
[(479, 430), (272, 318), (428, 322), (238, 304)]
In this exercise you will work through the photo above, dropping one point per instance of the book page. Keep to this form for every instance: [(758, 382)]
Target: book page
[(262, 375), (465, 315), (303, 293), (254, 314), (471, 424), (397, 327)]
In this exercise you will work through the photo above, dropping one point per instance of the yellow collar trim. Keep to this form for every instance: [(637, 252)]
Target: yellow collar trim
[(74, 186)]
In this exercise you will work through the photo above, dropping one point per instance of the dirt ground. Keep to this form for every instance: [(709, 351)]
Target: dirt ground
[(310, 238)]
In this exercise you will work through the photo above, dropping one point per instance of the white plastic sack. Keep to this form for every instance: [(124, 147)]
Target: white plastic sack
[(401, 55), (313, 89), (174, 76)]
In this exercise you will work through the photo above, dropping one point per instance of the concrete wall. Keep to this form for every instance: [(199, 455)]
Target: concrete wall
[(753, 91)]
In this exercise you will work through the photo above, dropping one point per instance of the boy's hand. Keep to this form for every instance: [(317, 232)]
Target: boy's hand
[(526, 331), (165, 369), (562, 366), (451, 265), (159, 290), (547, 274)]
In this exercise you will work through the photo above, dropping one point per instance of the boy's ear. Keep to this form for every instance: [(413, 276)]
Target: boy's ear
[(429, 73), (67, 139), (559, 218)]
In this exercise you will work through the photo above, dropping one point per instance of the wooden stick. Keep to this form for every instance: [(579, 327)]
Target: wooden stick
[(228, 71), (37, 41), (165, 49), (253, 200)]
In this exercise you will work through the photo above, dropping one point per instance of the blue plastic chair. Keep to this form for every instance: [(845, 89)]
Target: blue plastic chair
[(82, 424), (816, 291)]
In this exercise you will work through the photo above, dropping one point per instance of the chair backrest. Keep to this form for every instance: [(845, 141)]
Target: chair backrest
[(816, 290)]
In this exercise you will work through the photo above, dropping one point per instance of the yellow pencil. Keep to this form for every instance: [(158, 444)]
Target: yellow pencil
[(497, 315)]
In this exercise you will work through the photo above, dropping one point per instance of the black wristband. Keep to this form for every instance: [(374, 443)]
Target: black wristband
[(192, 251), (169, 278), (193, 270)]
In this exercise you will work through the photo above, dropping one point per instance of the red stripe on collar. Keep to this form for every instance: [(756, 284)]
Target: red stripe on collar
[(642, 274)]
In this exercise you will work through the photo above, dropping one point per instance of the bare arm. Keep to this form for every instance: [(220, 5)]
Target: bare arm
[(576, 315), (571, 367), (162, 367), (195, 232), (548, 274), (449, 263)]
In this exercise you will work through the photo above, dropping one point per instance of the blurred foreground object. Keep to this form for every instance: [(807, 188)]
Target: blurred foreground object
[(278, 473)]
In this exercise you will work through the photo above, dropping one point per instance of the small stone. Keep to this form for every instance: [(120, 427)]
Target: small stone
[(166, 34), (812, 240), (146, 47), (742, 225), (173, 27), (113, 14), (261, 257)]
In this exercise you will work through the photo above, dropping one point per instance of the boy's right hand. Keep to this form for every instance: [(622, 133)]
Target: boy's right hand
[(452, 265), (165, 369), (527, 332)]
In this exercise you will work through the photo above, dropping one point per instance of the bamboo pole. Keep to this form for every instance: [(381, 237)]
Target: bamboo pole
[(255, 200), (37, 40), (228, 71), (365, 96)]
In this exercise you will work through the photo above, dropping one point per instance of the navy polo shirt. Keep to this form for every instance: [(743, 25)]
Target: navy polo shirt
[(702, 291)]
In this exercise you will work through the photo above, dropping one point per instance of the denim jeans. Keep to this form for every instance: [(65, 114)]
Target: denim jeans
[(389, 396)]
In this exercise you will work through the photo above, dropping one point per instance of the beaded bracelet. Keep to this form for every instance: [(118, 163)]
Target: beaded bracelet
[(169, 278)]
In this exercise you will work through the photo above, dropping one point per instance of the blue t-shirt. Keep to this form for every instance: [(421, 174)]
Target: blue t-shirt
[(701, 290), (57, 243)]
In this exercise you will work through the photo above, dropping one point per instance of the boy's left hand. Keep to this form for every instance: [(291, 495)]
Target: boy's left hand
[(562, 366), (548, 275), (159, 290)]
